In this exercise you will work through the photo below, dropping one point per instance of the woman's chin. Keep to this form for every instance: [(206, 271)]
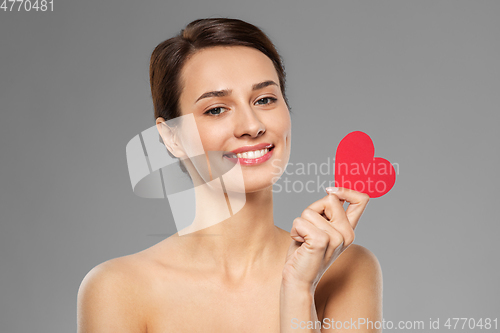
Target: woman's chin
[(255, 184)]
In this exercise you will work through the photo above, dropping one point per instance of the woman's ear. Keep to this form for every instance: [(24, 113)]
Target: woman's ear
[(170, 138)]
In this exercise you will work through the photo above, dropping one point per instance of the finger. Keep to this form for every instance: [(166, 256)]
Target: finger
[(332, 208), (338, 224), (357, 202), (329, 206), (334, 211), (306, 232), (340, 233), (319, 220)]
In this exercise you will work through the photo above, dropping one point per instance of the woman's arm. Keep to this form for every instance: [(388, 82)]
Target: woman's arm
[(298, 310), (107, 301), (320, 235), (353, 291), (350, 296)]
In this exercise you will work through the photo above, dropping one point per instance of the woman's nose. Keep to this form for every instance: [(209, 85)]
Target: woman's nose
[(248, 123)]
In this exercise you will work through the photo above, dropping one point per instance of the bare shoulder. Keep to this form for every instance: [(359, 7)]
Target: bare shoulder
[(356, 263), (109, 297), (132, 273), (352, 284), (124, 294), (358, 259), (118, 273)]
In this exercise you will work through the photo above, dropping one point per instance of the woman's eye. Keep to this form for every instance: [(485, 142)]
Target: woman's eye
[(266, 100), (215, 111)]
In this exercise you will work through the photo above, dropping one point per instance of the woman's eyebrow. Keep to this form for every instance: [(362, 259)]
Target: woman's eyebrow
[(264, 84), (226, 92), (218, 93)]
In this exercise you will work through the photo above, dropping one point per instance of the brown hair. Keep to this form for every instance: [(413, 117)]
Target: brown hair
[(169, 57)]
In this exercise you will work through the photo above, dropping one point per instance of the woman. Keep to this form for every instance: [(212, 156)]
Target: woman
[(242, 274)]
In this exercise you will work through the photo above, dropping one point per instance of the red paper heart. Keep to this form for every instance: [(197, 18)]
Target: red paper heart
[(356, 167)]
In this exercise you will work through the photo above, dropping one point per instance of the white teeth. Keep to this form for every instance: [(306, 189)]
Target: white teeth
[(253, 154)]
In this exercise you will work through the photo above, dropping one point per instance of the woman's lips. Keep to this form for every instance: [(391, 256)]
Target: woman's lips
[(248, 157), (258, 146)]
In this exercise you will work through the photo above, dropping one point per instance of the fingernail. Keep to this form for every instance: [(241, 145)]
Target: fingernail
[(332, 189)]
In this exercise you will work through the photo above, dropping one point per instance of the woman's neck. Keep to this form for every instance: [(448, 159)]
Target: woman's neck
[(244, 241)]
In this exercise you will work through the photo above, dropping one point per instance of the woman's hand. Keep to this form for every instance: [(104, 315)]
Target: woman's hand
[(320, 235)]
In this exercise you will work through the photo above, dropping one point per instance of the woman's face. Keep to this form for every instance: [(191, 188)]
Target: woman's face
[(234, 96)]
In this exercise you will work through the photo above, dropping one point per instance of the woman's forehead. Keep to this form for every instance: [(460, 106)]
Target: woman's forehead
[(221, 67)]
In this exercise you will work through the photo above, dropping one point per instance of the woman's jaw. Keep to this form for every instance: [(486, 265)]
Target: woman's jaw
[(241, 115)]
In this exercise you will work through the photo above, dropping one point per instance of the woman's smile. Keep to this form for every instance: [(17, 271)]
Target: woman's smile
[(251, 155), (236, 101)]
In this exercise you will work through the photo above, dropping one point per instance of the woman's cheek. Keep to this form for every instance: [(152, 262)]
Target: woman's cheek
[(213, 139)]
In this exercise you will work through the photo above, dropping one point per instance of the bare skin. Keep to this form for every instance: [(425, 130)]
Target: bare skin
[(243, 274), (159, 293)]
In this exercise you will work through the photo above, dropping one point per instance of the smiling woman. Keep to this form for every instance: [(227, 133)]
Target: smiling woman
[(234, 96), (242, 273)]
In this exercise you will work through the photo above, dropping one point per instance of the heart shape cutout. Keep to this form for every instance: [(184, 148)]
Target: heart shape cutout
[(357, 169)]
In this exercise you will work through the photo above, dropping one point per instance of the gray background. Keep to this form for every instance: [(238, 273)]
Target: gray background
[(420, 77)]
